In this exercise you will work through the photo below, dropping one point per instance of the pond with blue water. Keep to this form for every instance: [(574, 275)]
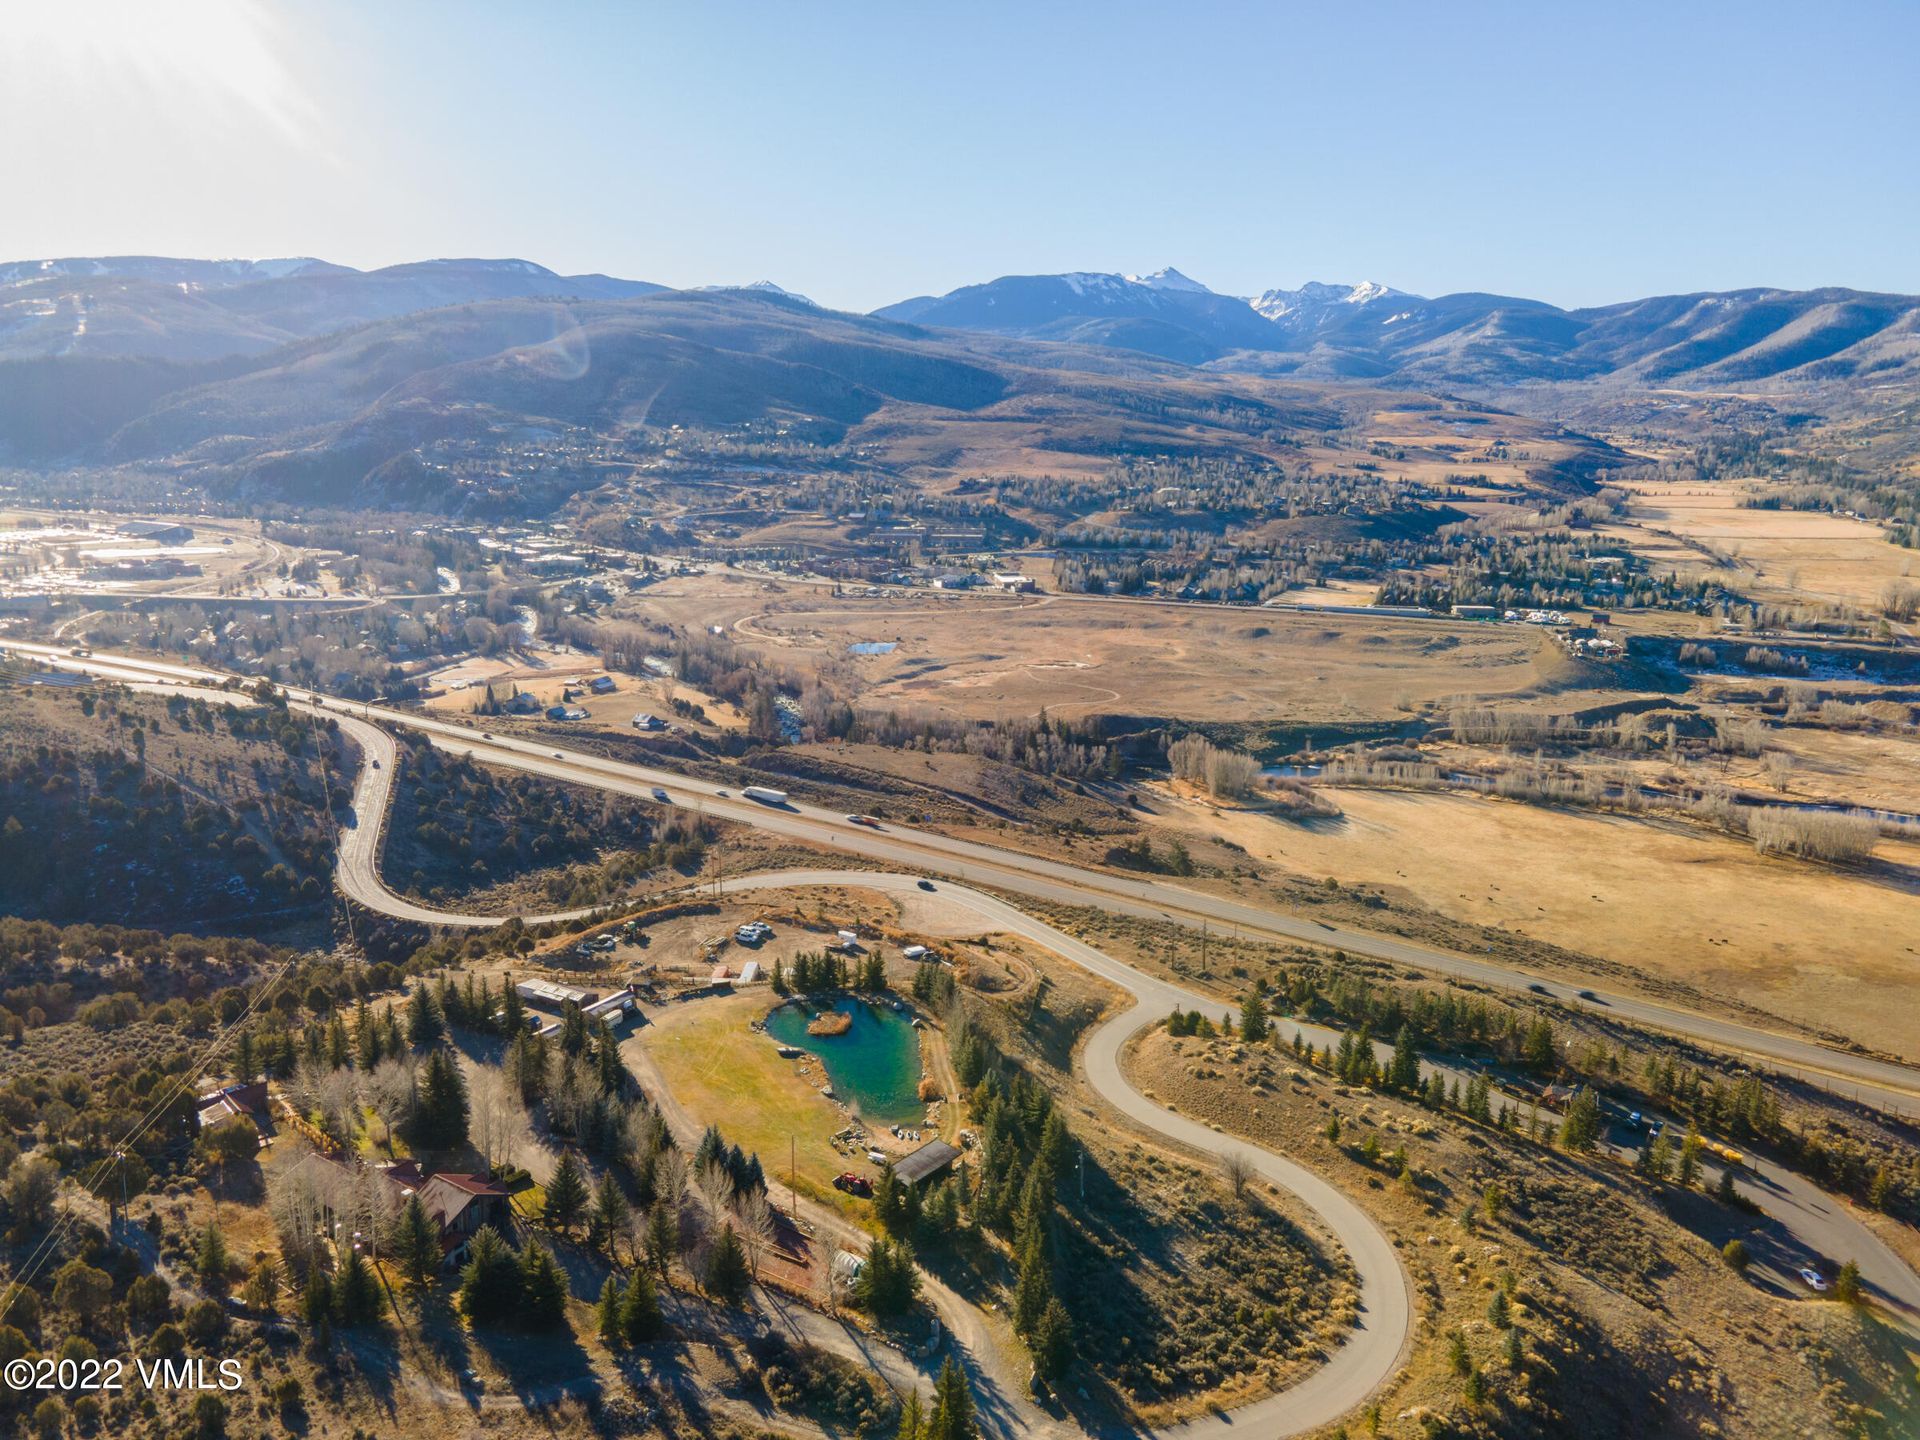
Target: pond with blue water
[(874, 1065)]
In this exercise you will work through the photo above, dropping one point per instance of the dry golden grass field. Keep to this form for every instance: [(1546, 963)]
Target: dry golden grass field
[(987, 656), (1826, 947), (1783, 555)]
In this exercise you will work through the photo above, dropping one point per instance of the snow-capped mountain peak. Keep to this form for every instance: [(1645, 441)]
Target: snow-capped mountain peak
[(1168, 278), (763, 287), (1275, 303)]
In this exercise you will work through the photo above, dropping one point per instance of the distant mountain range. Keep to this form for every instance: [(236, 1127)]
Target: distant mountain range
[(152, 307), (1375, 333), (309, 381), (155, 308)]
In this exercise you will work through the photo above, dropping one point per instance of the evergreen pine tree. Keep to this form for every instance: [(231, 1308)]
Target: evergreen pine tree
[(912, 1420), (606, 1058), (727, 1277), (1253, 1015), (662, 1235), (606, 1314), (339, 1052), (1582, 1125), (573, 1031), (423, 1018), (1403, 1072), (366, 1036), (566, 1194), (440, 1122), (1846, 1285), (610, 1212), (211, 1261), (888, 1282), (1690, 1148), (889, 1201), (418, 1244), (640, 1310), (316, 1300), (356, 1294), (1725, 1192), (1052, 1341), (1035, 1286), (490, 1286), (543, 1290), (952, 1417), (263, 1285), (528, 1066), (246, 1065), (1538, 1049)]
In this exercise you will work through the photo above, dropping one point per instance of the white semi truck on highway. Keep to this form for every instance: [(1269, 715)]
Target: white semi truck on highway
[(764, 795)]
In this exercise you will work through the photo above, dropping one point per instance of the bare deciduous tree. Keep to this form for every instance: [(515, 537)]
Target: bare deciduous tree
[(497, 1121), (756, 1227), (1237, 1166), (1778, 768), (1814, 834), (1226, 773), (391, 1091)]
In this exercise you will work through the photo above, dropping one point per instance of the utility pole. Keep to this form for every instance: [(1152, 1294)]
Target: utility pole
[(793, 1175)]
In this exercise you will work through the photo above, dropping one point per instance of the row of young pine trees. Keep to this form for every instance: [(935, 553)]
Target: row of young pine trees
[(1025, 1157), (1748, 1109)]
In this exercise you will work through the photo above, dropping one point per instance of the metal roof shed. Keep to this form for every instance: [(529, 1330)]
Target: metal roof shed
[(925, 1163)]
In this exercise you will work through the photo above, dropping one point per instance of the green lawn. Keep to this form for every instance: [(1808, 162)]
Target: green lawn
[(726, 1074)]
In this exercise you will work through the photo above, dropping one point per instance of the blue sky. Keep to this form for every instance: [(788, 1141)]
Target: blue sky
[(863, 153)]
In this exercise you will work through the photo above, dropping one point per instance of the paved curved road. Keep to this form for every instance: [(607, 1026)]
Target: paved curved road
[(1371, 1354), (1373, 1351), (1891, 1086), (357, 868)]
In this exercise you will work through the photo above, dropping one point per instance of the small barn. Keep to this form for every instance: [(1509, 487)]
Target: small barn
[(929, 1162)]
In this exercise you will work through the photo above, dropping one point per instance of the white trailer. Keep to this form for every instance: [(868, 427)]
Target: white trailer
[(764, 795)]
